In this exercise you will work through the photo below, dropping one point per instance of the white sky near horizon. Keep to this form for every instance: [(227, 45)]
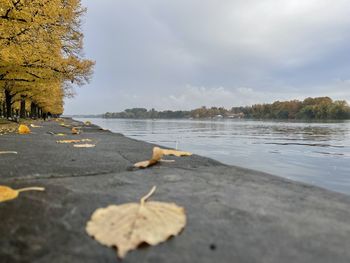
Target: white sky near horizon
[(185, 54)]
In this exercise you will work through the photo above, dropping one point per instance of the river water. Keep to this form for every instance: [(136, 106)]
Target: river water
[(314, 153)]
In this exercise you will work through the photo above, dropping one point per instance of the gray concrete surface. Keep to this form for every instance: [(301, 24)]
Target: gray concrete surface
[(234, 214)]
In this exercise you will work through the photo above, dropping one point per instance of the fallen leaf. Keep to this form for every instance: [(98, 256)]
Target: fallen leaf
[(87, 145), (35, 126), (87, 123), (7, 193), (156, 156), (65, 125), (8, 152), (145, 164), (73, 141), (23, 129), (68, 141), (175, 153), (129, 225), (60, 134), (158, 153), (75, 131)]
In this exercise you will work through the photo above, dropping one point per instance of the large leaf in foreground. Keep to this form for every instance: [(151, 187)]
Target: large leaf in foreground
[(129, 225)]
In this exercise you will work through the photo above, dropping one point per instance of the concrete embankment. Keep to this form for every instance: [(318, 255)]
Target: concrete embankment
[(234, 214)]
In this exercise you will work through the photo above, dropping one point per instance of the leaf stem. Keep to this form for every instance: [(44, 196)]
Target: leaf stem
[(31, 189), (8, 152), (144, 199)]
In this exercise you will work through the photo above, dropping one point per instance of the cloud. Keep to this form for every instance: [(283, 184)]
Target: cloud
[(174, 53), (191, 97), (194, 97), (254, 39)]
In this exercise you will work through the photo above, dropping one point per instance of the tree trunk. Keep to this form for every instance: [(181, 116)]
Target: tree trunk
[(8, 99), (4, 108), (32, 110), (22, 113)]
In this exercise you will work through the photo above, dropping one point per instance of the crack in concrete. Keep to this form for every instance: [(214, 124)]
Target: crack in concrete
[(28, 178)]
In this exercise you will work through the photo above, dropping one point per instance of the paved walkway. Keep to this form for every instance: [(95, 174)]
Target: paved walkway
[(234, 214)]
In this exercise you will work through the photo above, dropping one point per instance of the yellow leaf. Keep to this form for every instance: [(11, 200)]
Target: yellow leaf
[(87, 123), (60, 134), (75, 131), (23, 129), (128, 225), (7, 193), (158, 153)]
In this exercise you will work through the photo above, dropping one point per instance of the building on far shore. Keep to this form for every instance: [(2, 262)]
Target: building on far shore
[(236, 115)]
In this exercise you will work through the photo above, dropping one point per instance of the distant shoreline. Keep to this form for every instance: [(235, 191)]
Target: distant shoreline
[(322, 108), (212, 119)]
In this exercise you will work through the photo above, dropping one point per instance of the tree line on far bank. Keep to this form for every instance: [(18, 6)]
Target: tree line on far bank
[(40, 56), (320, 108)]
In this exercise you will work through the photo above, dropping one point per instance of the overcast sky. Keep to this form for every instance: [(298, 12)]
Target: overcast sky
[(182, 54)]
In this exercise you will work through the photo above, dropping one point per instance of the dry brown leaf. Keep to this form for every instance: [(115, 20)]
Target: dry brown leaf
[(145, 164), (86, 145), (175, 153), (23, 129), (156, 156), (68, 141), (158, 153), (7, 193), (129, 225), (74, 141)]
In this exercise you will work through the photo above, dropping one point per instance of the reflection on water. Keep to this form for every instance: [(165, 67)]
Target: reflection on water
[(316, 153)]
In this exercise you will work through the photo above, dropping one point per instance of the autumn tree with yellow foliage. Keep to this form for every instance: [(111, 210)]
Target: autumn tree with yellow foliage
[(41, 55)]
